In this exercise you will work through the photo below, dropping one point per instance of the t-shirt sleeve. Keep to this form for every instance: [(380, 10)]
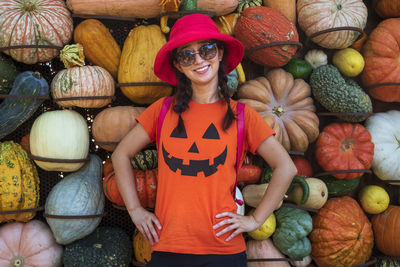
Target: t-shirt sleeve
[(149, 118), (256, 129)]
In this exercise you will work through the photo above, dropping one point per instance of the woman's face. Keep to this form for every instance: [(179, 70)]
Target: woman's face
[(199, 61)]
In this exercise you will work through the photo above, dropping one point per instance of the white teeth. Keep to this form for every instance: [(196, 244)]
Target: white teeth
[(204, 68)]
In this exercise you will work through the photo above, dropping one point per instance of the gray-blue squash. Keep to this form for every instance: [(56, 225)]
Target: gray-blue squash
[(79, 193)]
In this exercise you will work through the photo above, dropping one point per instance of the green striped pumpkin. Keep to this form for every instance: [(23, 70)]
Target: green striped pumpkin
[(145, 160), (243, 4), (387, 262)]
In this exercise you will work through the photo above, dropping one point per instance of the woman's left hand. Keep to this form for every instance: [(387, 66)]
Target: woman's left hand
[(238, 224)]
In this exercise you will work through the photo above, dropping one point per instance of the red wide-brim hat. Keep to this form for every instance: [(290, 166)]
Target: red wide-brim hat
[(193, 28)]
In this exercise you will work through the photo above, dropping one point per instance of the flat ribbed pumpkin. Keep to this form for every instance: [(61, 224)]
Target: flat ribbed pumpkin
[(113, 123), (136, 64), (342, 234), (286, 105), (85, 81), (263, 25), (19, 183), (382, 65), (387, 8), (344, 146), (317, 15), (34, 22), (386, 227)]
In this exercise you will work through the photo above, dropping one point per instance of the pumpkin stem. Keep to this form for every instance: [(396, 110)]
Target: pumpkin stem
[(346, 144), (339, 6), (278, 111), (28, 6), (97, 245), (37, 75)]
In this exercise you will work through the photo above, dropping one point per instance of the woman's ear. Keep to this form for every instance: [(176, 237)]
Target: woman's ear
[(177, 66), (220, 54)]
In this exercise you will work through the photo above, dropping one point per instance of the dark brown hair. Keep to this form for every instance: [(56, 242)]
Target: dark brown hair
[(184, 91)]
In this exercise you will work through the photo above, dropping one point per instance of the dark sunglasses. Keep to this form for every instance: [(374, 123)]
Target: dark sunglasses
[(188, 57)]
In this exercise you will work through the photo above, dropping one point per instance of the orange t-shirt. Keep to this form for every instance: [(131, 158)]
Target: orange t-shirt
[(196, 174)]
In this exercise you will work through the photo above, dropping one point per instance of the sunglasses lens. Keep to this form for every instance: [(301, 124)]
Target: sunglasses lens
[(208, 51), (187, 57)]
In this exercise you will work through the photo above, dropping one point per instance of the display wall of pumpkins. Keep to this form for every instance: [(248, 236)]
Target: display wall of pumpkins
[(74, 130)]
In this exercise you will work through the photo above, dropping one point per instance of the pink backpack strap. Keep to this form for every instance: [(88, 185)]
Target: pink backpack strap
[(240, 137), (164, 109)]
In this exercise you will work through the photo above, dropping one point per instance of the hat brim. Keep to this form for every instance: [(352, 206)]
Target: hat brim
[(164, 70)]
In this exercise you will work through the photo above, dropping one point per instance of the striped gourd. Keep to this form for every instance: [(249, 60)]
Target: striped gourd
[(387, 262), (145, 160), (19, 183)]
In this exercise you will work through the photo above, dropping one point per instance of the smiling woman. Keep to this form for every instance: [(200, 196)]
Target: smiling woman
[(195, 220)]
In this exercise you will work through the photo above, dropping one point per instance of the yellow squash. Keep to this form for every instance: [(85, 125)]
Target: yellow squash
[(136, 65)]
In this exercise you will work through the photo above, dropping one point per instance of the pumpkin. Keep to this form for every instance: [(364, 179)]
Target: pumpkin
[(264, 249), (106, 246), (344, 146), (253, 194), (146, 186), (385, 226), (381, 55), (226, 24), (385, 135), (263, 25), (340, 187), (316, 58), (72, 55), (387, 8), (387, 262), (243, 4), (287, 7), (317, 197), (286, 105), (8, 73), (19, 183), (107, 167), (342, 234), (79, 193), (136, 65), (303, 166), (86, 81), (112, 124), (28, 244), (34, 22), (318, 15), (141, 247), (302, 263), (145, 160), (290, 236), (249, 173), (59, 134), (15, 111), (104, 51), (25, 143)]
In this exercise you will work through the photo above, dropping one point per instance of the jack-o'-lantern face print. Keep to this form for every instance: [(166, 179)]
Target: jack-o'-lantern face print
[(195, 152)]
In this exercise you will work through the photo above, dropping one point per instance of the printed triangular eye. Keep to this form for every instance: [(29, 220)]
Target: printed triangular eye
[(177, 134), (211, 132)]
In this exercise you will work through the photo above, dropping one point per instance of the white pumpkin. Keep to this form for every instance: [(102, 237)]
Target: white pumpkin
[(318, 15), (59, 134), (303, 263), (385, 134)]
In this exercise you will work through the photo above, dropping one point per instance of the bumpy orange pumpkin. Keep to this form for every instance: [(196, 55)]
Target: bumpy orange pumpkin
[(286, 105), (263, 25), (146, 186), (386, 227), (317, 15), (342, 234), (344, 146), (381, 54), (113, 123)]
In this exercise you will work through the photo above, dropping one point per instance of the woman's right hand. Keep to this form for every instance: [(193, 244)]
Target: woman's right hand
[(145, 221)]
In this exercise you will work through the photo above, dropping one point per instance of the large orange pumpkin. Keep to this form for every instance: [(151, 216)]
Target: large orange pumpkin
[(342, 234), (386, 227), (344, 146), (113, 123), (263, 25), (146, 186), (34, 22), (387, 8), (381, 54), (317, 15), (286, 105), (86, 81)]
